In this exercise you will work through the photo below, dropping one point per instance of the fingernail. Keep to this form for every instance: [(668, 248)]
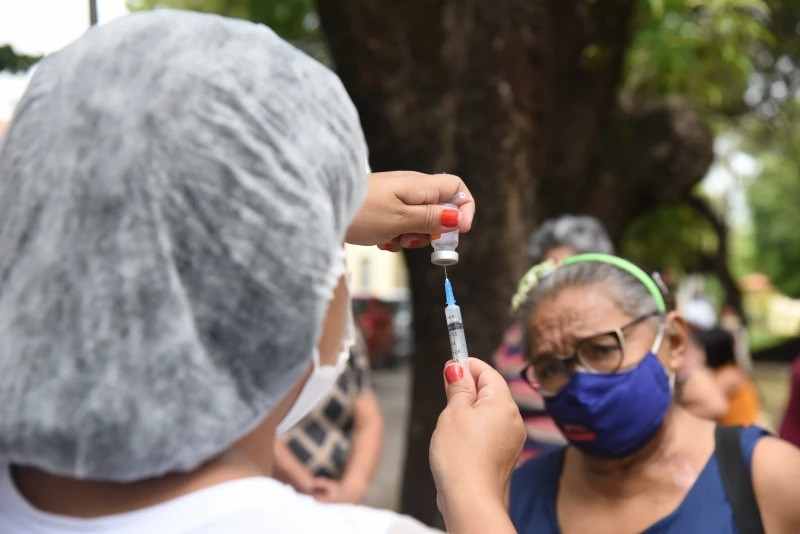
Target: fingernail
[(386, 246), (449, 218), (414, 244), (453, 372)]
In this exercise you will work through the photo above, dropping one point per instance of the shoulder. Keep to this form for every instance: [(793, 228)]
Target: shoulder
[(350, 518), (279, 508), (253, 504), (776, 470)]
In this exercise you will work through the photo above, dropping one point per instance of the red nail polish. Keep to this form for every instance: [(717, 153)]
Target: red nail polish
[(449, 218), (453, 372), (414, 244), (387, 246)]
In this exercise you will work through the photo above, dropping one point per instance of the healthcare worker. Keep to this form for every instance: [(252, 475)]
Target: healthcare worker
[(175, 189)]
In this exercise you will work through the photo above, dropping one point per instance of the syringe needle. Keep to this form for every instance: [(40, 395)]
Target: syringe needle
[(445, 272)]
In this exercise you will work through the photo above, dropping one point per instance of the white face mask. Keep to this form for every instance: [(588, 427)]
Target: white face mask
[(316, 387), (322, 377)]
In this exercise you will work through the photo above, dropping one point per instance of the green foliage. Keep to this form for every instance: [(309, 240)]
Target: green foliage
[(774, 198), (702, 50), (13, 62), (743, 254), (737, 61), (708, 51), (674, 237)]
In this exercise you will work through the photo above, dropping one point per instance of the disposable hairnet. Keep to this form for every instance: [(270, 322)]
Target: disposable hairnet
[(174, 189)]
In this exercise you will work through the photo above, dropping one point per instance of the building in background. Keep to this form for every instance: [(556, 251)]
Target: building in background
[(377, 273), (381, 302)]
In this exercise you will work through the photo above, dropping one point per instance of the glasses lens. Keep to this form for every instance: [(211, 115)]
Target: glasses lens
[(601, 353), (551, 373)]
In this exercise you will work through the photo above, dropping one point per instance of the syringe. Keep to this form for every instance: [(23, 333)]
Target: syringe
[(455, 327)]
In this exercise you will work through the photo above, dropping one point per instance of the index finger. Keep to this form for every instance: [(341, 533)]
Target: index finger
[(419, 189)]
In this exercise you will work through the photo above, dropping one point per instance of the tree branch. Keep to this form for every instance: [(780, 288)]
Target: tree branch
[(718, 262)]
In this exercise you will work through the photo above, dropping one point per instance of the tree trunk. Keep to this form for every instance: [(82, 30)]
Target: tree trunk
[(518, 98)]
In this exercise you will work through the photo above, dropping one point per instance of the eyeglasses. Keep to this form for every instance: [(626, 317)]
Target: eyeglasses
[(601, 353)]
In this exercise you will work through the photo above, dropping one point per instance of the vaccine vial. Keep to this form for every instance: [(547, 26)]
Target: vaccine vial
[(444, 246)]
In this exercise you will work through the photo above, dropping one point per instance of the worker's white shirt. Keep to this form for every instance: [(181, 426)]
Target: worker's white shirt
[(247, 505)]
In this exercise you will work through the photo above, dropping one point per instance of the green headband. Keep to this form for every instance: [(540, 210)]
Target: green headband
[(626, 266), (544, 269)]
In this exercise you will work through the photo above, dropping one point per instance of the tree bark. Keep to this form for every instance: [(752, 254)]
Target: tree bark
[(518, 98), (650, 154)]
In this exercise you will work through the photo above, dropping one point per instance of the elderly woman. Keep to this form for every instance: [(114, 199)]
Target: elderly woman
[(174, 193), (555, 239), (603, 352)]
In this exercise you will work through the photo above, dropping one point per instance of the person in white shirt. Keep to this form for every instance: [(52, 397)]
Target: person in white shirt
[(174, 192)]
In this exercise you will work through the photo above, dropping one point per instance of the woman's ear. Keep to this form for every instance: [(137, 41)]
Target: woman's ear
[(676, 341)]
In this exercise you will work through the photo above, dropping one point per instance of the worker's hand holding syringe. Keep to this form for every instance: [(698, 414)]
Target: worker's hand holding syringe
[(474, 449)]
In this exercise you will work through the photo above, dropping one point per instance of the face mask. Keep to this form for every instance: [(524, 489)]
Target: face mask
[(322, 377), (614, 415), (316, 387)]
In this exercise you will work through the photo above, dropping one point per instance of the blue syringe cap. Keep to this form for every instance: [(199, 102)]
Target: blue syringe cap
[(448, 292)]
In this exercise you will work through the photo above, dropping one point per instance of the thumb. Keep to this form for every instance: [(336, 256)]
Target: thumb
[(459, 385), (431, 219)]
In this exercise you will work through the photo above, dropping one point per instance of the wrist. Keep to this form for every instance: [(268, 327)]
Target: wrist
[(478, 513), (356, 487)]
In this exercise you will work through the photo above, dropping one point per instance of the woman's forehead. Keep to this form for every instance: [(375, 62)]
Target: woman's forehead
[(575, 312)]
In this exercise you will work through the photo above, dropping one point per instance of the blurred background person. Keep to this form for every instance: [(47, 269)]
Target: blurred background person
[(697, 389), (790, 425), (731, 321), (737, 386), (555, 239), (695, 386), (377, 324), (332, 454)]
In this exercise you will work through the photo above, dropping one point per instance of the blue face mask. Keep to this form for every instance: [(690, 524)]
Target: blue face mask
[(613, 415)]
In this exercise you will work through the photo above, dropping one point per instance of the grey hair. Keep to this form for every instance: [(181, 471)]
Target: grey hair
[(582, 233), (624, 289)]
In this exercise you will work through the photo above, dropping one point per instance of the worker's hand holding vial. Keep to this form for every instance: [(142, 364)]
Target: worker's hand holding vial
[(403, 209)]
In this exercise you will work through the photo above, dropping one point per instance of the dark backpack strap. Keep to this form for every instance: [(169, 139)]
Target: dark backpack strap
[(736, 479)]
